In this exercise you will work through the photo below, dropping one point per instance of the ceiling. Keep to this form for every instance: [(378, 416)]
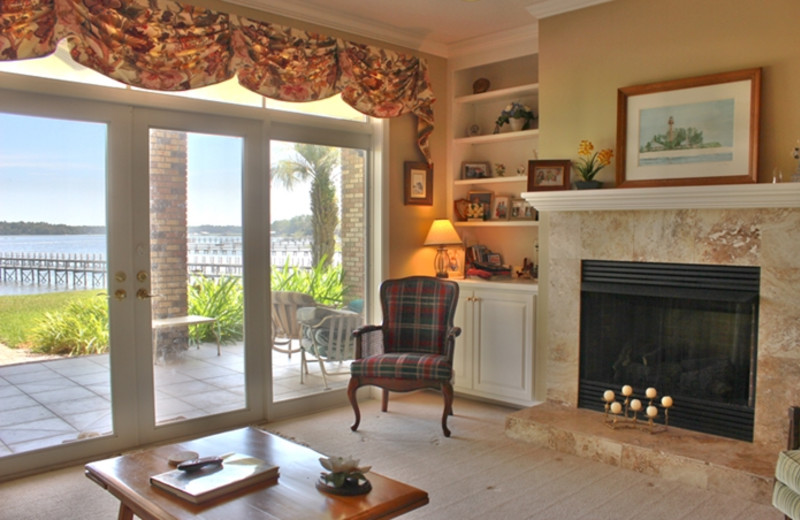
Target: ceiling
[(433, 26)]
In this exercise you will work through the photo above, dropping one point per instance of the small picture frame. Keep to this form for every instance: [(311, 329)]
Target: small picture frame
[(548, 175), (501, 207), (484, 198), (521, 210), (418, 184), (475, 170)]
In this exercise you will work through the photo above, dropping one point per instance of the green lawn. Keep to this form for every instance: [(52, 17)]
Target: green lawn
[(18, 314)]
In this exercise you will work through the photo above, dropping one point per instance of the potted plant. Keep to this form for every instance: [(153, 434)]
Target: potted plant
[(590, 163), (344, 476), (515, 114)]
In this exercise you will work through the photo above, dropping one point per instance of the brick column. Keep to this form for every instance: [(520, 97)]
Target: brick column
[(353, 229), (168, 232)]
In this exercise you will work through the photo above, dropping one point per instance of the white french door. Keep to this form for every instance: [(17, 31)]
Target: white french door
[(201, 268)]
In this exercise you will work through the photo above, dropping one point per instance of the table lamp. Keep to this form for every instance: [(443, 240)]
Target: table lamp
[(441, 234)]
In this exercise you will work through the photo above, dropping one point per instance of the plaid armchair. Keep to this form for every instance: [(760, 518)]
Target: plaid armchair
[(413, 348)]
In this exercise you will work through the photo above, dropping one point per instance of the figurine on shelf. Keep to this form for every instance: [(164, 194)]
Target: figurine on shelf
[(527, 271)]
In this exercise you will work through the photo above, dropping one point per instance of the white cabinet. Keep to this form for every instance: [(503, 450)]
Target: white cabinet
[(493, 358)]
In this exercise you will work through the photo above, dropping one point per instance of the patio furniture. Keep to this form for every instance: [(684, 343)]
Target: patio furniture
[(413, 348), (327, 336), (285, 327)]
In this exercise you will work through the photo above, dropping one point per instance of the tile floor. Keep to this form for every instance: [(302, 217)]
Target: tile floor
[(47, 403)]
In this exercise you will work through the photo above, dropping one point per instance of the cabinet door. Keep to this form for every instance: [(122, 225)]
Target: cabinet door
[(462, 356), (503, 344)]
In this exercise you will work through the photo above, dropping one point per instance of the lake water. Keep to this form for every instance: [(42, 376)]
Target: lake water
[(202, 249)]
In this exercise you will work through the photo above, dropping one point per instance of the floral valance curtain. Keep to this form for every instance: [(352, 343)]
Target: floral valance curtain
[(167, 45)]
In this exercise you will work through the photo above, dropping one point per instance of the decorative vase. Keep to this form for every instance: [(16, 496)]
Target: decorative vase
[(517, 123), (588, 185)]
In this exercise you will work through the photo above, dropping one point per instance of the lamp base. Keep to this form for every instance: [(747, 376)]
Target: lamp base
[(439, 263), (442, 275)]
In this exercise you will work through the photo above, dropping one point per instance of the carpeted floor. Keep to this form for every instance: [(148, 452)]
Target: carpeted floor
[(478, 473)]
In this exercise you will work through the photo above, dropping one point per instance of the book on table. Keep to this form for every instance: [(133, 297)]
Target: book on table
[(236, 472)]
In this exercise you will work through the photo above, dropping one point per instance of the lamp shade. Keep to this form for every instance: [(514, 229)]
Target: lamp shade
[(442, 233)]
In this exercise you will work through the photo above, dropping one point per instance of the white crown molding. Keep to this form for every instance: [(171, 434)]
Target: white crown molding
[(508, 44), (724, 196), (546, 8), (334, 20)]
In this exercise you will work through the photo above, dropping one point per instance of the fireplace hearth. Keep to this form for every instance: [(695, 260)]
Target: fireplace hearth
[(689, 330)]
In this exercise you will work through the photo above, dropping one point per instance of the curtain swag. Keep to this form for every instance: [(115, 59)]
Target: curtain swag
[(168, 45)]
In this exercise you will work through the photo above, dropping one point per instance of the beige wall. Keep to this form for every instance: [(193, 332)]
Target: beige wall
[(588, 54)]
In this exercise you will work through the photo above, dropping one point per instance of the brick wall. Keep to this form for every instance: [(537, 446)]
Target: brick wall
[(353, 230), (168, 230)]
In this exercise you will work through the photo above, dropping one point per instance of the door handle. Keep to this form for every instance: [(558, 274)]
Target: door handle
[(143, 294), (120, 294)]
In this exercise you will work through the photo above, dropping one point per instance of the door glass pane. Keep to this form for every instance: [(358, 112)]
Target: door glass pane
[(54, 332), (318, 215), (197, 278)]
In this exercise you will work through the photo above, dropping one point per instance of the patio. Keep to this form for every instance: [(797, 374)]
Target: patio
[(45, 403)]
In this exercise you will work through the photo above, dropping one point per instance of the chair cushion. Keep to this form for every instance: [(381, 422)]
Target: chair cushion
[(787, 469), (403, 366), (785, 500)]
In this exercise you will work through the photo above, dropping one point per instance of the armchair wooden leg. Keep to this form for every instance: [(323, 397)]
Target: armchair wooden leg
[(447, 391), (351, 394), (385, 400)]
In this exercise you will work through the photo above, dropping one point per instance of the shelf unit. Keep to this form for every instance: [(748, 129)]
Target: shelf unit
[(511, 79)]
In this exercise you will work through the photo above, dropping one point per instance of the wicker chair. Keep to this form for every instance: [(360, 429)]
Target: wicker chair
[(413, 348), (285, 327)]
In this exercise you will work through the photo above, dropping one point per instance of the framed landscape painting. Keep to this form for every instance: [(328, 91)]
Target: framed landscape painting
[(693, 131)]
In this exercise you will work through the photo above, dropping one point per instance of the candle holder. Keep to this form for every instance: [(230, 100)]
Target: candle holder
[(626, 414)]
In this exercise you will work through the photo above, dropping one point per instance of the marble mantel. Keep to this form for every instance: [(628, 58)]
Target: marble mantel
[(728, 196)]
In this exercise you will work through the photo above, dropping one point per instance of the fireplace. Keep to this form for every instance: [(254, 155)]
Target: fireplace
[(688, 330)]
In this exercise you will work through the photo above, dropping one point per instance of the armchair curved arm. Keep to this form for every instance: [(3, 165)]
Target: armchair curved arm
[(452, 334), (369, 341)]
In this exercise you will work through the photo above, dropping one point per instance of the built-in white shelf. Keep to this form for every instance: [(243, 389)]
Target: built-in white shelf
[(492, 180), (727, 196), (496, 223), (496, 138), (501, 93)]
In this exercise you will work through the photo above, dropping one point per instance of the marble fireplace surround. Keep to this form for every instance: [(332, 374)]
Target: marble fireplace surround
[(752, 224)]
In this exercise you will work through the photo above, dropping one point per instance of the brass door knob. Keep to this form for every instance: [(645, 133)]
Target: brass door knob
[(143, 294), (120, 294)]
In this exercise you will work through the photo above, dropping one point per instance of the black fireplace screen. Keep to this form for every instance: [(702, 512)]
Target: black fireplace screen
[(690, 331)]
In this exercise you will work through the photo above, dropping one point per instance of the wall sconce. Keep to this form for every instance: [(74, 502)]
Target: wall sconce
[(441, 234)]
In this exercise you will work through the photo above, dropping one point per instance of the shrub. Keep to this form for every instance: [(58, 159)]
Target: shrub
[(324, 284), (223, 299), (81, 328)]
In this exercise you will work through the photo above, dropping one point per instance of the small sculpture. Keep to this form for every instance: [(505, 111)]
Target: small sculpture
[(526, 273), (345, 477)]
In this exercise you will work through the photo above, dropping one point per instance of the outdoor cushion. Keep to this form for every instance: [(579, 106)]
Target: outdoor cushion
[(786, 490), (403, 366)]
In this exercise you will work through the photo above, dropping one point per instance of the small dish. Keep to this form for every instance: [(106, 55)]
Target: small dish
[(182, 456)]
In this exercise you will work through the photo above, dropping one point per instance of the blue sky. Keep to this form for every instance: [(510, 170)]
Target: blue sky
[(66, 185)]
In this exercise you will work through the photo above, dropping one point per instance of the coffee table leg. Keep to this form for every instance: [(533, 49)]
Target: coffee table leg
[(125, 513)]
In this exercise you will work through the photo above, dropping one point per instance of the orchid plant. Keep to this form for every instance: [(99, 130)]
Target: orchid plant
[(591, 162)]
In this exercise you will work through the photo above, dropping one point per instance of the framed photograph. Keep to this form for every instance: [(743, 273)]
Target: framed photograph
[(418, 184), (521, 210), (475, 170), (501, 207), (693, 131), (484, 198), (549, 175)]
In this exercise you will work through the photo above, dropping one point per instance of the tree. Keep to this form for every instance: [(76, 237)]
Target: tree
[(319, 165)]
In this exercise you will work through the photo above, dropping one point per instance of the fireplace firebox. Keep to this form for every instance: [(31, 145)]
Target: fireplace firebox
[(688, 330)]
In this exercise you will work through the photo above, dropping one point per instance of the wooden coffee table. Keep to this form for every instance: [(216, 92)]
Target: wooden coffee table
[(294, 497)]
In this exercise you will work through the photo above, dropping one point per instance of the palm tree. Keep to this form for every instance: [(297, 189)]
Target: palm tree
[(317, 164)]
